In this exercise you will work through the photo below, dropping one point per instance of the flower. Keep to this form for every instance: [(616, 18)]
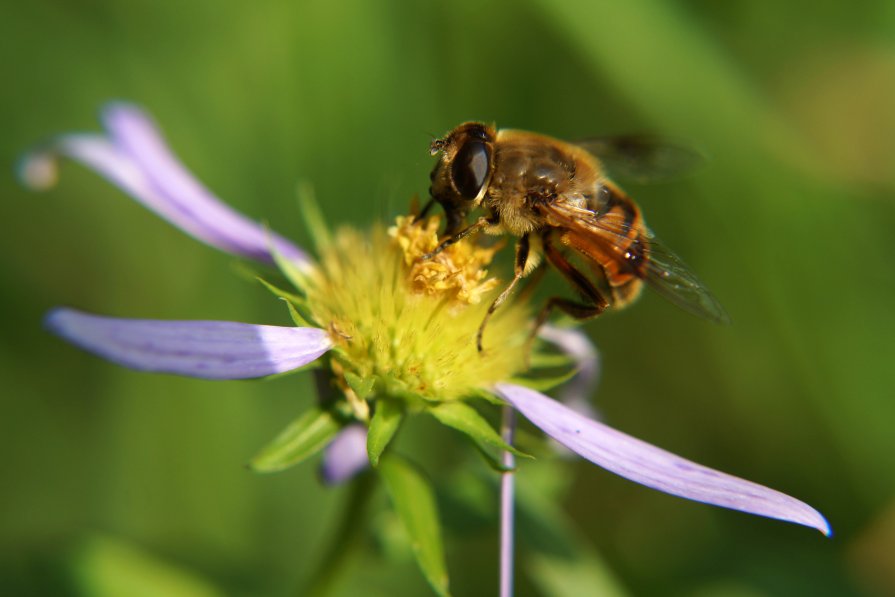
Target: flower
[(393, 330)]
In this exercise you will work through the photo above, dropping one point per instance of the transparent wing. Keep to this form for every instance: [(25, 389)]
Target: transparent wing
[(644, 158), (665, 272), (668, 275)]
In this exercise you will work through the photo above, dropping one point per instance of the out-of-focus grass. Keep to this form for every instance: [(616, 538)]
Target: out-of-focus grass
[(790, 224)]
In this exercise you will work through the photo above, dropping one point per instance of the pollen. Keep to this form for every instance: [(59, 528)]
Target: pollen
[(410, 324), (458, 272)]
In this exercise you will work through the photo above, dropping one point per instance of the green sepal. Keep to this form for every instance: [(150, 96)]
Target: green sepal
[(303, 438), (293, 273), (247, 272), (409, 396), (293, 302), (464, 418), (279, 292), (362, 386), (414, 502), (309, 367), (543, 360), (487, 396), (297, 317), (385, 422), (312, 216), (543, 384)]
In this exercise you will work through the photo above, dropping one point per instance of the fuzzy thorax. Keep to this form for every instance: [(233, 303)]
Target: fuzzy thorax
[(408, 324)]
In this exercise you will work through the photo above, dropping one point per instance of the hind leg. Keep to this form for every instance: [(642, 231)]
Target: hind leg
[(594, 303)]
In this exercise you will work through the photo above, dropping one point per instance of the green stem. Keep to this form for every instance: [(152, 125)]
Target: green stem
[(344, 540)]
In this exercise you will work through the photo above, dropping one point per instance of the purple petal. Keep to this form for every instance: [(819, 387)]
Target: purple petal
[(651, 466), (577, 391), (345, 456), (136, 158), (206, 349)]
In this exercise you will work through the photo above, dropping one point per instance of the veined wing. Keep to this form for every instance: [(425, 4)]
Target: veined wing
[(643, 158), (664, 271)]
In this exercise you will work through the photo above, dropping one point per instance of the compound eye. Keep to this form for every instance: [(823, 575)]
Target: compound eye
[(470, 168)]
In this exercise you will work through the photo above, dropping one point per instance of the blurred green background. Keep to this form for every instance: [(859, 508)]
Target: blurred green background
[(121, 483)]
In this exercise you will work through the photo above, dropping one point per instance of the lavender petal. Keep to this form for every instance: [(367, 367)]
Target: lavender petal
[(136, 158), (345, 456), (205, 349), (651, 466), (577, 391)]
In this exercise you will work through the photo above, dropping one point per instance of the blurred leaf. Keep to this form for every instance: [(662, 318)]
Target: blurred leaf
[(383, 426), (466, 500), (558, 559), (464, 418), (544, 384), (302, 438), (344, 540), (584, 574), (104, 566), (414, 502), (543, 360), (313, 217)]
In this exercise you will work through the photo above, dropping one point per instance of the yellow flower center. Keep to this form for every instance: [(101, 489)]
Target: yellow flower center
[(409, 324)]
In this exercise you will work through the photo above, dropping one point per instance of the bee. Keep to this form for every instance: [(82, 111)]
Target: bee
[(556, 197)]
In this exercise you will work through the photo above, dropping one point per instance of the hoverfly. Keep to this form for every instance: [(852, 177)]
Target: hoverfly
[(554, 195)]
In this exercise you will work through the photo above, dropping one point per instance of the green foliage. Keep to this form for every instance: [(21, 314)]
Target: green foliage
[(108, 567), (303, 438), (414, 501), (554, 554), (363, 387), (467, 420), (383, 426), (545, 383)]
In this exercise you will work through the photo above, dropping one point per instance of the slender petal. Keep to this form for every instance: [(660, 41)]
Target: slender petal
[(651, 466), (136, 158), (205, 349), (576, 393), (345, 456)]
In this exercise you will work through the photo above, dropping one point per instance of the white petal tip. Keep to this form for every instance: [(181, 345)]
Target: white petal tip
[(823, 526)]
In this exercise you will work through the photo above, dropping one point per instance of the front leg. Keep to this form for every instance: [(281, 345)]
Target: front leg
[(523, 250), (454, 217), (478, 225)]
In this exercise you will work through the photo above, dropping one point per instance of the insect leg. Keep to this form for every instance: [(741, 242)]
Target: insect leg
[(595, 303), (522, 251), (479, 224), (425, 210), (532, 280)]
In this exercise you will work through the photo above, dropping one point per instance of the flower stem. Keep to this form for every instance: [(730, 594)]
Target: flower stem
[(508, 429), (344, 539)]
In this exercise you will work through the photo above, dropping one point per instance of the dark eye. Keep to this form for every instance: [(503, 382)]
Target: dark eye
[(470, 168)]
